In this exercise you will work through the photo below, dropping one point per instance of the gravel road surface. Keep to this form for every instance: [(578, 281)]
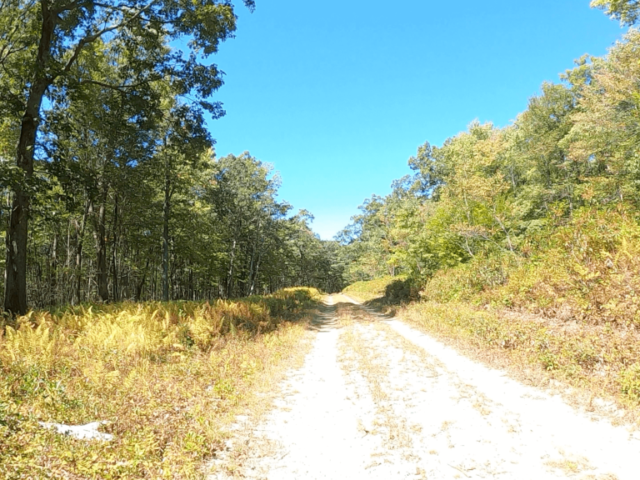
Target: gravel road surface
[(377, 399)]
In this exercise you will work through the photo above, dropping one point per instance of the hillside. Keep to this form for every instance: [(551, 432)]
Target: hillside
[(521, 243)]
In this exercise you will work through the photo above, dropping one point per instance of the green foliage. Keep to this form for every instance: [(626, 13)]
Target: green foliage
[(384, 290), (627, 11), (529, 215), (228, 235), (124, 194), (370, 289), (525, 240)]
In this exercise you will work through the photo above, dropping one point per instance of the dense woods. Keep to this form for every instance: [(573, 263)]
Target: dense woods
[(129, 242), (111, 188), (110, 185)]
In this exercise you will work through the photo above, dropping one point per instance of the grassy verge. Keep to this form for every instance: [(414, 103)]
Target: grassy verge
[(566, 308), (167, 377), (389, 288), (598, 360)]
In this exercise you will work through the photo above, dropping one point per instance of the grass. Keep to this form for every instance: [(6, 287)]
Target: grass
[(167, 376), (595, 359), (358, 359), (372, 289)]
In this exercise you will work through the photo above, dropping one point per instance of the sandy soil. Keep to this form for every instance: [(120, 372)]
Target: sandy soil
[(376, 399)]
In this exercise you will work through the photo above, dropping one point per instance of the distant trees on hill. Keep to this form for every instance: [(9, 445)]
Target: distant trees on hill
[(489, 191)]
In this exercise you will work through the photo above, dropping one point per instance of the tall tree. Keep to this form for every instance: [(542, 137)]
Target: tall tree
[(44, 39), (184, 140)]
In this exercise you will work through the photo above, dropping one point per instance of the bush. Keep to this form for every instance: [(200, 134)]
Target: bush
[(400, 291)]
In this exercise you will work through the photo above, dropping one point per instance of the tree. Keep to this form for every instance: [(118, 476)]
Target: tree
[(627, 11), (604, 139), (243, 198), (92, 154), (42, 41), (183, 143)]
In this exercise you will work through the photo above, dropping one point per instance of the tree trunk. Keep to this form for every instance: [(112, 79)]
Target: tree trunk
[(53, 281), (140, 285), (166, 212), (114, 264), (77, 297), (230, 272), (255, 274), (100, 236), (15, 293)]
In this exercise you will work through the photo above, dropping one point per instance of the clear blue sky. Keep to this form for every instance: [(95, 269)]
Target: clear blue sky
[(338, 94)]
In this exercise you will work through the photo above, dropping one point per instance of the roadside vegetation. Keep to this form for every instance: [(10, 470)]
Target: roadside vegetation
[(112, 199), (568, 310), (372, 289), (167, 377), (522, 243)]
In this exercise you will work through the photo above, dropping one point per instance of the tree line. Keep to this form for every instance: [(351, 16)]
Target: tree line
[(110, 185), (111, 188), (492, 192)]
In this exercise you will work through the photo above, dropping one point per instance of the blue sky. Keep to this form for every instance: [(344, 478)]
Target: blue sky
[(337, 95)]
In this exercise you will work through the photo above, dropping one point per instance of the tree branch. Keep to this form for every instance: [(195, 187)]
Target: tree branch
[(120, 88), (65, 8), (92, 38)]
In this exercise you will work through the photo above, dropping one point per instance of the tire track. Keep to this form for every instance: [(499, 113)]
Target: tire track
[(377, 399)]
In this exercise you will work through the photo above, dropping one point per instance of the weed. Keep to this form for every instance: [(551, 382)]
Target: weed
[(630, 381), (569, 309)]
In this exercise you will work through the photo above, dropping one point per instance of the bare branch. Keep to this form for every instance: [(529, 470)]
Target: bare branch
[(120, 88)]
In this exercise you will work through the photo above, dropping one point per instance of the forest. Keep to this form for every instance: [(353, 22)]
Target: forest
[(111, 188), (520, 245)]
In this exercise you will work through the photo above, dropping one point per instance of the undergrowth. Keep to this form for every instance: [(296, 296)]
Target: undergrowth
[(567, 303), (166, 376), (603, 360), (585, 271)]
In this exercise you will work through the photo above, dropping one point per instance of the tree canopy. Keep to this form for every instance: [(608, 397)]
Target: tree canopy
[(113, 189), (627, 11)]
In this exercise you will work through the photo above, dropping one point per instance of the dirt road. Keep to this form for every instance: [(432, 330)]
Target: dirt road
[(377, 399)]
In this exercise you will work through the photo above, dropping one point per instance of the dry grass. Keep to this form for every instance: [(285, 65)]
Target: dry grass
[(245, 443), (357, 354), (568, 310), (372, 289), (541, 352), (167, 377)]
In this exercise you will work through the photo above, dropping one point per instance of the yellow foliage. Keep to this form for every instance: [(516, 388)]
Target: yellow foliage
[(592, 357), (154, 370), (371, 289)]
